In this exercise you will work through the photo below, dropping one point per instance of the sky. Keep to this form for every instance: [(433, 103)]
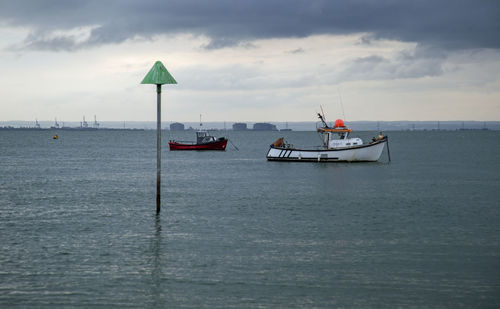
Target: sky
[(270, 60)]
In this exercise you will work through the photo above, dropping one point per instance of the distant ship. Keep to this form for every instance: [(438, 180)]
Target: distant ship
[(56, 125), (286, 128)]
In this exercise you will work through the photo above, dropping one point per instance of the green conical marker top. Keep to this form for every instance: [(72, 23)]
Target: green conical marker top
[(158, 75)]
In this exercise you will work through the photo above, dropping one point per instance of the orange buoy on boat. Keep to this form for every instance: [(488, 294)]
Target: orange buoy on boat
[(339, 123)]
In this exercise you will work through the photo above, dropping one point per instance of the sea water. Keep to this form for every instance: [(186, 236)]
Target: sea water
[(78, 226)]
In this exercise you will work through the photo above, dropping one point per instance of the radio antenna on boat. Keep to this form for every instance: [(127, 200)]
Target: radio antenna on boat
[(200, 122), (341, 104)]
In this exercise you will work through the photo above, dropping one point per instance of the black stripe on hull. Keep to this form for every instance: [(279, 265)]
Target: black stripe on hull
[(295, 159), (197, 149)]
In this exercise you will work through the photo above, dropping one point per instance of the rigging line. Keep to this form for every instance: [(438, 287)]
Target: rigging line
[(233, 144), (341, 104)]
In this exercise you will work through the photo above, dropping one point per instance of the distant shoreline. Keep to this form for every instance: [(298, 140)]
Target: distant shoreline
[(293, 126)]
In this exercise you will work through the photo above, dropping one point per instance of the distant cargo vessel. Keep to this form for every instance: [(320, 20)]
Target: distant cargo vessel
[(262, 126), (239, 126)]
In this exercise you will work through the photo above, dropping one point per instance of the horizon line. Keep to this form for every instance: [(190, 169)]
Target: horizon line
[(250, 121)]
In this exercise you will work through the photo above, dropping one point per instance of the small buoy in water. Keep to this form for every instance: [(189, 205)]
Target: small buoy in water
[(55, 136)]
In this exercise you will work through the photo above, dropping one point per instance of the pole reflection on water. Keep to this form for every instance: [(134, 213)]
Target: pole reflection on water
[(158, 292)]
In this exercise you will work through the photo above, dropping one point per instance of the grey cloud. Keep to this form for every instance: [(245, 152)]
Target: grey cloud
[(418, 63), (241, 77), (445, 24), (222, 42), (299, 50), (39, 42)]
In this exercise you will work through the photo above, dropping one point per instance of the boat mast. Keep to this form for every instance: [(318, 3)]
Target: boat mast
[(322, 117), (325, 137)]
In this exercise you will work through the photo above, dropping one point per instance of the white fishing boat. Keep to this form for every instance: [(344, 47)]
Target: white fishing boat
[(337, 147)]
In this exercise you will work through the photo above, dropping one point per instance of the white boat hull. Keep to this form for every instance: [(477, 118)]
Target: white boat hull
[(366, 152)]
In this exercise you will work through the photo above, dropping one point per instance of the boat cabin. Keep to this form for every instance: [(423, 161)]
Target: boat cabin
[(202, 137), (340, 140), (338, 137)]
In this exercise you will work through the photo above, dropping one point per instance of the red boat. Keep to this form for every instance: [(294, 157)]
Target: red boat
[(204, 141)]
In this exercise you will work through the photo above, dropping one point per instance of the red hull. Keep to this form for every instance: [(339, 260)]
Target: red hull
[(217, 145)]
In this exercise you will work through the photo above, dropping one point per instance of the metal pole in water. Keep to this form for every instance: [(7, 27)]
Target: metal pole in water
[(158, 75), (158, 148)]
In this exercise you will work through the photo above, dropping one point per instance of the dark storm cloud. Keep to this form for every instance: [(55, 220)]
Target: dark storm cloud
[(446, 24)]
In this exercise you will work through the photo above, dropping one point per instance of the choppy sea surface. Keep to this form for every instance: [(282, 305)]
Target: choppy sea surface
[(78, 226)]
